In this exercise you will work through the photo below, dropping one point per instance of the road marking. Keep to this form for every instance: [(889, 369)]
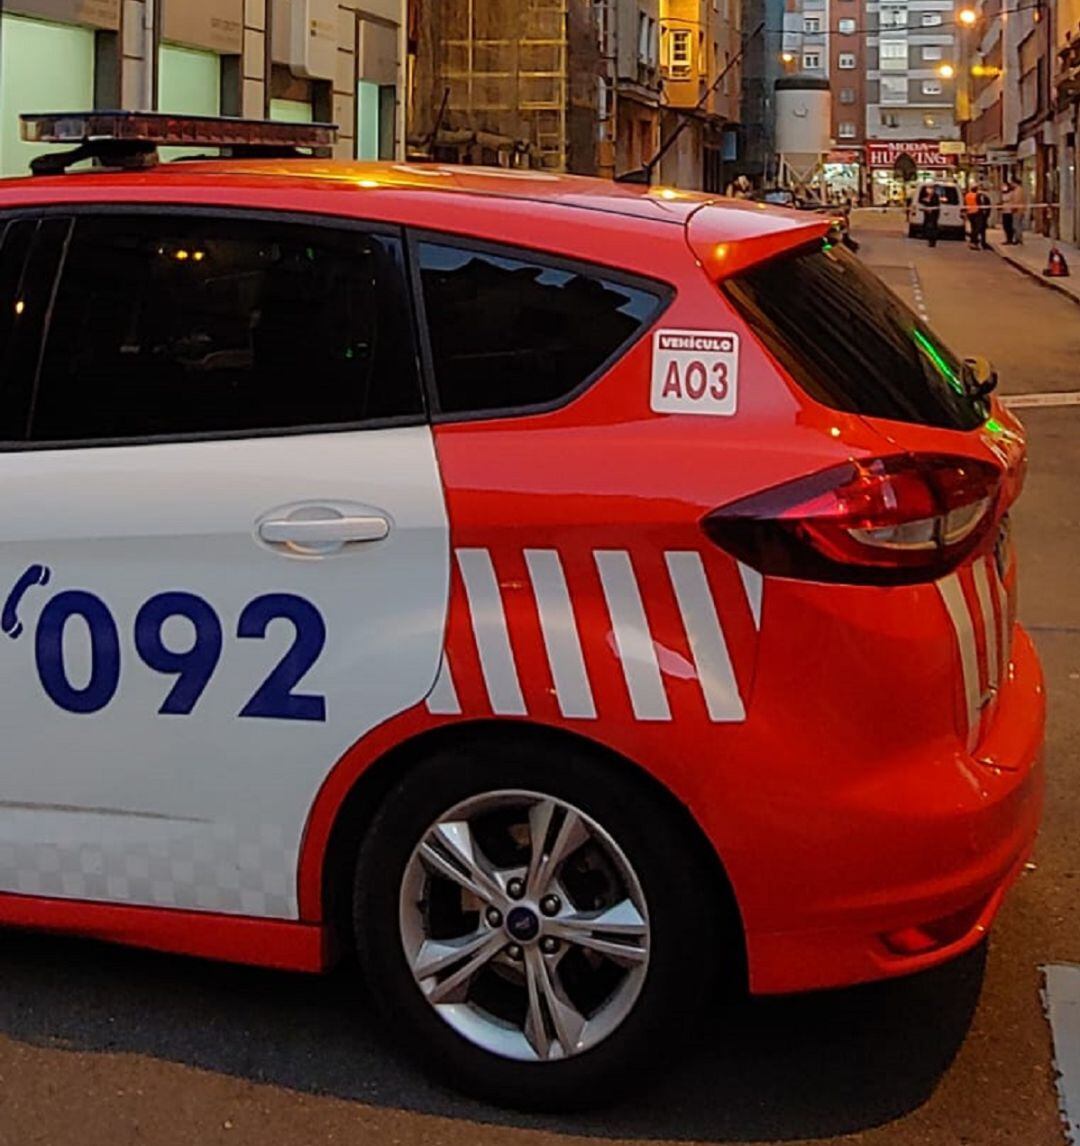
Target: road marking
[(1061, 1002), (1052, 398), (920, 301)]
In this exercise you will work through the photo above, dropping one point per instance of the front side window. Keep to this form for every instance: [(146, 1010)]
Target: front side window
[(168, 325), (508, 334), (850, 343)]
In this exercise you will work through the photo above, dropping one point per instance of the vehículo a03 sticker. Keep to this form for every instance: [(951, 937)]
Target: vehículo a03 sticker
[(695, 372)]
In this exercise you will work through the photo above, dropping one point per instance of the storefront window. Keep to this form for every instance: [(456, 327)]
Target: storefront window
[(291, 111), (43, 67), (375, 107), (189, 81)]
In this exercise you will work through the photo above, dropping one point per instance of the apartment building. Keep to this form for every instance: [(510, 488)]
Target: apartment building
[(700, 41), (1064, 126), (910, 103), (635, 81), (340, 60)]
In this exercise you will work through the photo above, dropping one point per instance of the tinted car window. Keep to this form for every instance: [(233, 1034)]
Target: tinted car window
[(948, 194), (508, 334), (850, 342), (178, 325), (30, 253)]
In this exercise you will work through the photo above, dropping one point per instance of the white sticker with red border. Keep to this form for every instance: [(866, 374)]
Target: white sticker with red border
[(695, 372)]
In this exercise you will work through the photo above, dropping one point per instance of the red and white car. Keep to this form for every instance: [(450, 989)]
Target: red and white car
[(564, 595)]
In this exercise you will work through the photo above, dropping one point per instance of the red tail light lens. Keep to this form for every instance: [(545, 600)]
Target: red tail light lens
[(876, 521)]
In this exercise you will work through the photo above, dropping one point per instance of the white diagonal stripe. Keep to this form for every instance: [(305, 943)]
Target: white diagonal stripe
[(990, 622), (443, 698), (952, 594), (1004, 628), (491, 633), (632, 637), (710, 651), (752, 583), (560, 634)]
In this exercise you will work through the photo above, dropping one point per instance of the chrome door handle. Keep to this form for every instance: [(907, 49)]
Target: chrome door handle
[(319, 534)]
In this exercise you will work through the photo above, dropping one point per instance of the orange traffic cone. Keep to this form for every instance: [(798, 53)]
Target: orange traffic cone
[(1056, 266)]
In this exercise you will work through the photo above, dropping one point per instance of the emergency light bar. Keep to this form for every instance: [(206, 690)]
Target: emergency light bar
[(131, 138)]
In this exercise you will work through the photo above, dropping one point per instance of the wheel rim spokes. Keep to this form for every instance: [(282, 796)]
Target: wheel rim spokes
[(436, 956), (554, 1026), (524, 954), (619, 932), (449, 850)]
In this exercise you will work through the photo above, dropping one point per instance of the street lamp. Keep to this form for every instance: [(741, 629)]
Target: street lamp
[(787, 57), (968, 17), (946, 71)]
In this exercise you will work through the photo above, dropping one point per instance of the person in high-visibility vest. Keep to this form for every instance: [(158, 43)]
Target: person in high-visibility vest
[(973, 214)]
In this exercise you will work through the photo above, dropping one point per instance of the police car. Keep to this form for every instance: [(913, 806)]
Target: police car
[(567, 597)]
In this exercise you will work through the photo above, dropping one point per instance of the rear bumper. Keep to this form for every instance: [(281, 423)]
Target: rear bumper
[(945, 847)]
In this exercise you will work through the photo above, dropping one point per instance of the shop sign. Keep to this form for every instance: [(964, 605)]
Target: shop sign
[(213, 25), (847, 155), (91, 13), (923, 153), (952, 147)]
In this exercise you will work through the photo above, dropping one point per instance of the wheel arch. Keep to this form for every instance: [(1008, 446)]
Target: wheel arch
[(370, 788)]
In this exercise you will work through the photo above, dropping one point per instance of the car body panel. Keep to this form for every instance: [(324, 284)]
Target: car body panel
[(823, 738)]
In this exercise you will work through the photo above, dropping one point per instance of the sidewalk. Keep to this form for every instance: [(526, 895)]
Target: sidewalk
[(1030, 257)]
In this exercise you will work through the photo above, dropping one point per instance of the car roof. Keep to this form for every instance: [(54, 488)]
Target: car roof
[(343, 178)]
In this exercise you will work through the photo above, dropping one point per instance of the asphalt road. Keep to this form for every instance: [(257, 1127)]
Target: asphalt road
[(106, 1046)]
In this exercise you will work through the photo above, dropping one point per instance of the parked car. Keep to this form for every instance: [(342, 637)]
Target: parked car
[(951, 218), (566, 598)]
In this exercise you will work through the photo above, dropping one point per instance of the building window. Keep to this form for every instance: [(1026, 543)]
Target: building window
[(893, 89), (811, 24), (892, 17), (931, 19), (847, 129), (931, 87), (846, 60), (647, 51), (680, 53), (811, 60), (847, 26), (847, 95), (931, 52), (890, 120), (893, 55)]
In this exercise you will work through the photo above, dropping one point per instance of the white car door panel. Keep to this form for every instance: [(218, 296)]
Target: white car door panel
[(193, 632)]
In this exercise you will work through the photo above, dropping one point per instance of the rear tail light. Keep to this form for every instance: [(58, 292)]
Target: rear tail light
[(874, 521)]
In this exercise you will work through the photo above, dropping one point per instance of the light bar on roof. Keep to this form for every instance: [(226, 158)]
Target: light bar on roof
[(159, 129)]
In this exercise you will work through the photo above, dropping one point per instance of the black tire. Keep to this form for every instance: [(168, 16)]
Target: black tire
[(690, 938)]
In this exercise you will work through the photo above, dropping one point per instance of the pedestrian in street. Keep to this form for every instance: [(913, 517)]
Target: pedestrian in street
[(971, 213), (930, 203), (1007, 213), (986, 206), (1014, 205)]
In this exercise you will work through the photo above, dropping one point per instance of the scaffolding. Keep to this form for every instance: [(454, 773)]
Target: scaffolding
[(504, 69)]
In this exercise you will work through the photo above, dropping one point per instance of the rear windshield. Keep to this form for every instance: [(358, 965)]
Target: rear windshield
[(850, 343)]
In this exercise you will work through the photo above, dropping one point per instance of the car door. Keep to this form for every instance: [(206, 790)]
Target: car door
[(223, 545)]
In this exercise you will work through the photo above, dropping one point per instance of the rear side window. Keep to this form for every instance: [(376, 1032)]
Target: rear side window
[(949, 195), (510, 334), (850, 343), (175, 325)]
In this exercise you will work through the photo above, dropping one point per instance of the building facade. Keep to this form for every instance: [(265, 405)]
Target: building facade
[(284, 59), (1064, 120), (700, 42)]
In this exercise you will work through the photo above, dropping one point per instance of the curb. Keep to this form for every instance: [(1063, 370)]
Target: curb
[(1042, 280)]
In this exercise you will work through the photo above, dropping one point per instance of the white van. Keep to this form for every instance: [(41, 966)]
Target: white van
[(951, 220)]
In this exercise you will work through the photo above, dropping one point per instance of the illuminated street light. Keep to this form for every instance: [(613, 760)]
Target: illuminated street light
[(968, 17), (946, 71), (787, 57)]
